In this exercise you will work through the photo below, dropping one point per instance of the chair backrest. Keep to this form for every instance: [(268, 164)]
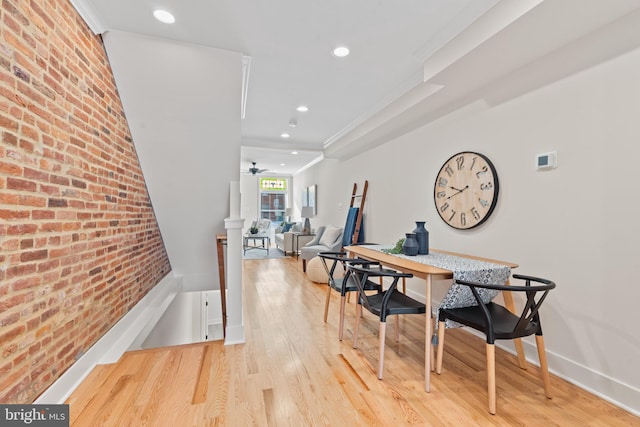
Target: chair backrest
[(263, 225), (331, 260), (535, 296), (362, 275)]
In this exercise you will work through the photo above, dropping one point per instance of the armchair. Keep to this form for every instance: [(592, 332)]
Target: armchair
[(285, 239), (327, 239), (263, 225)]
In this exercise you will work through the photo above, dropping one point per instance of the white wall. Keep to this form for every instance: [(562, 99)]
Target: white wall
[(576, 225), (333, 193), (180, 324), (249, 199), (182, 103)]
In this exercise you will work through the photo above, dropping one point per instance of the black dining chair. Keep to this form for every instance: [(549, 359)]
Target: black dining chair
[(335, 263), (498, 323), (384, 303)]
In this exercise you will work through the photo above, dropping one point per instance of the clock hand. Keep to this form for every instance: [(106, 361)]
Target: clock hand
[(457, 191)]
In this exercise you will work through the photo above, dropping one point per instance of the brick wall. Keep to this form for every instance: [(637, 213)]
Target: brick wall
[(79, 242)]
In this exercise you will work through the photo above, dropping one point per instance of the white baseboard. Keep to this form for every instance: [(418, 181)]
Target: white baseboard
[(133, 327), (610, 389), (235, 335)]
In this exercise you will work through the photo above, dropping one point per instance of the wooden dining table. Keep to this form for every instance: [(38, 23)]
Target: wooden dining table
[(430, 273)]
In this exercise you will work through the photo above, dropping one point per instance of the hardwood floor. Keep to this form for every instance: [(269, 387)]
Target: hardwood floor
[(293, 371)]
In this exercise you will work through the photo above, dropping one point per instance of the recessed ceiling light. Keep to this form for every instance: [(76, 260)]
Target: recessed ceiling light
[(164, 16), (302, 108), (294, 152), (341, 51), (282, 164), (285, 135)]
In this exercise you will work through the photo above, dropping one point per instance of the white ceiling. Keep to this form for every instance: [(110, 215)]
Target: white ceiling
[(411, 61), (289, 43)]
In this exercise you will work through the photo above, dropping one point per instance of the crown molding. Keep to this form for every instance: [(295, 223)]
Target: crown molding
[(246, 67), (488, 25)]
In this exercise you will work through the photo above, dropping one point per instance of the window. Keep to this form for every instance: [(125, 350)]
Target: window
[(273, 198)]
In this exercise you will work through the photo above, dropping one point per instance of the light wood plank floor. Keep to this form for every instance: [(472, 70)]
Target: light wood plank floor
[(293, 371)]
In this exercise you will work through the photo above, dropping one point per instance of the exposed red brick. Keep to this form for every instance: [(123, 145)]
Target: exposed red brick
[(10, 215), (76, 217), (47, 314), (9, 199), (26, 283), (21, 229), (9, 139), (10, 169), (57, 203), (12, 333), (21, 184), (8, 303), (8, 123), (33, 201), (43, 214), (9, 319), (26, 243), (35, 174), (34, 255)]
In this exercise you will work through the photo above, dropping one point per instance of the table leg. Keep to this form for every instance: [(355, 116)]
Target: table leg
[(427, 339), (509, 304)]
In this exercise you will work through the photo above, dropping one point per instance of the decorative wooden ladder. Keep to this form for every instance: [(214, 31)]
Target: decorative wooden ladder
[(363, 198)]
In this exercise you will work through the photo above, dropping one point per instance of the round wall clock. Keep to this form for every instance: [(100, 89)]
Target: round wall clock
[(466, 190)]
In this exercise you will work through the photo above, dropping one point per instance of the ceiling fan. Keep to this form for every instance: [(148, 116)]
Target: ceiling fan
[(254, 170)]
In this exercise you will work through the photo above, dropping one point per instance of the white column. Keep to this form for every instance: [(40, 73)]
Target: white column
[(234, 225)]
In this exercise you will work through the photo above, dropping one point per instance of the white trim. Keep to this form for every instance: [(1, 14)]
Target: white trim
[(234, 226), (246, 67), (620, 394), (369, 131), (235, 335), (405, 87), (311, 163), (482, 29), (133, 327)]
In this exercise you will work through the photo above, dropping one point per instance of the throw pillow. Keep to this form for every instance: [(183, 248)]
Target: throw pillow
[(330, 235), (287, 226), (297, 227)]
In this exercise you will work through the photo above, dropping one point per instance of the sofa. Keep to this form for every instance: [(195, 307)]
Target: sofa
[(285, 240), (327, 239)]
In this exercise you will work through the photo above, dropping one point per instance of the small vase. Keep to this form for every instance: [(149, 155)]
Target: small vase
[(422, 236), (410, 246)]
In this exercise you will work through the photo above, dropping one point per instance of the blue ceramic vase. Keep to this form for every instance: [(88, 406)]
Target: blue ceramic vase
[(410, 246), (422, 236)]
